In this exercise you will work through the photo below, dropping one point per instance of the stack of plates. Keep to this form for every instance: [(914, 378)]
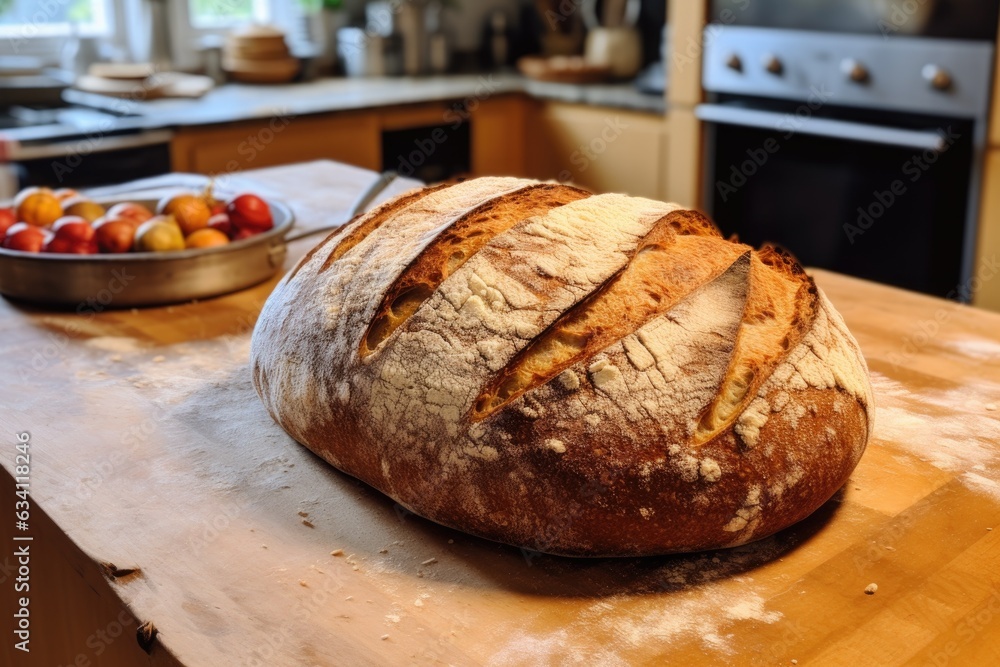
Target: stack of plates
[(259, 54)]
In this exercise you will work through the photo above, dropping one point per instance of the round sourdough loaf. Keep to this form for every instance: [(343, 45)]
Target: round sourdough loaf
[(586, 375)]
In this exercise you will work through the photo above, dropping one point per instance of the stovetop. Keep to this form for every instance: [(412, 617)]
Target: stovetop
[(82, 118)]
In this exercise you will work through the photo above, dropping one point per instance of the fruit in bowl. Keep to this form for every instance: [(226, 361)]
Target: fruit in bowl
[(7, 218), (220, 221), (249, 212), (26, 238), (189, 210), (72, 235), (86, 209), (206, 238), (83, 226), (137, 213), (37, 206), (159, 234), (115, 235)]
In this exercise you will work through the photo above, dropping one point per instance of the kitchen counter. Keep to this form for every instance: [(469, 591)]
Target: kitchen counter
[(236, 102), (158, 476)]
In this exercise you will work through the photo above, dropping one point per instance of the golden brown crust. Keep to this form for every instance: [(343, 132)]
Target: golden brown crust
[(452, 248), (677, 391), (372, 221), (666, 266)]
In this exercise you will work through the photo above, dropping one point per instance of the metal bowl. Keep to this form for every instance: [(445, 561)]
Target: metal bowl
[(91, 283)]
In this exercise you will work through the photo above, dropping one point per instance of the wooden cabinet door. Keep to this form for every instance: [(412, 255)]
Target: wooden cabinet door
[(499, 135), (987, 282), (602, 149), (353, 138)]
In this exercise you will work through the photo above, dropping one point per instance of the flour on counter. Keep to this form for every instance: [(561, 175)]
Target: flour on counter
[(947, 428), (977, 348), (984, 484), (700, 598)]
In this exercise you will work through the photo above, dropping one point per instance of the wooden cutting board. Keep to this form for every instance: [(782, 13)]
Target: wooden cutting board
[(151, 452), (157, 86)]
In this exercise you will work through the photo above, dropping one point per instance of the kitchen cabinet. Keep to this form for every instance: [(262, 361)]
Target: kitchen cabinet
[(497, 128), (499, 136), (987, 287), (685, 158), (994, 132), (217, 149), (602, 149)]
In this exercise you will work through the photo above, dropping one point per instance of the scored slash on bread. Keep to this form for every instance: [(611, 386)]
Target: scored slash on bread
[(666, 267), (486, 352), (449, 250)]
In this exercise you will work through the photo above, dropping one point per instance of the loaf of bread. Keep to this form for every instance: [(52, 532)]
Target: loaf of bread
[(589, 375)]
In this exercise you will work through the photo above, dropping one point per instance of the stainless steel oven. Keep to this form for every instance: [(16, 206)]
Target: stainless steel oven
[(860, 153)]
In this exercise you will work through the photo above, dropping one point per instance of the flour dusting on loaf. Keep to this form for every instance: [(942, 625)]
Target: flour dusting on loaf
[(579, 374)]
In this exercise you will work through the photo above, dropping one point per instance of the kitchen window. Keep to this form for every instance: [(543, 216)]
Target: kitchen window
[(209, 14), (53, 18), (39, 27)]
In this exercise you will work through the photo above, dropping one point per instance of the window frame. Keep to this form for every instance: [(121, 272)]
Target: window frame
[(47, 44), (125, 17)]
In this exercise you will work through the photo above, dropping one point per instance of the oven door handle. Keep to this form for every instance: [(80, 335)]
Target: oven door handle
[(790, 124)]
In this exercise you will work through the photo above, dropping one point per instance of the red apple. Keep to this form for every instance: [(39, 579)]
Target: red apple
[(7, 218), (66, 246), (26, 238), (131, 211), (249, 211), (115, 235), (74, 228), (221, 222)]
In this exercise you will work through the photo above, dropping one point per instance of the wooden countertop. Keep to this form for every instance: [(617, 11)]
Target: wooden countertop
[(151, 451)]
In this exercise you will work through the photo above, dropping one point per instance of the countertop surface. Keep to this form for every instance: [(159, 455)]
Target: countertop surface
[(151, 451), (236, 102)]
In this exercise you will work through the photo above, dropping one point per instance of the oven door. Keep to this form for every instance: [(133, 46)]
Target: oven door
[(885, 203)]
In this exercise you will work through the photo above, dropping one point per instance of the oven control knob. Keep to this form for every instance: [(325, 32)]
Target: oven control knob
[(773, 64), (855, 70), (734, 62), (937, 77)]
